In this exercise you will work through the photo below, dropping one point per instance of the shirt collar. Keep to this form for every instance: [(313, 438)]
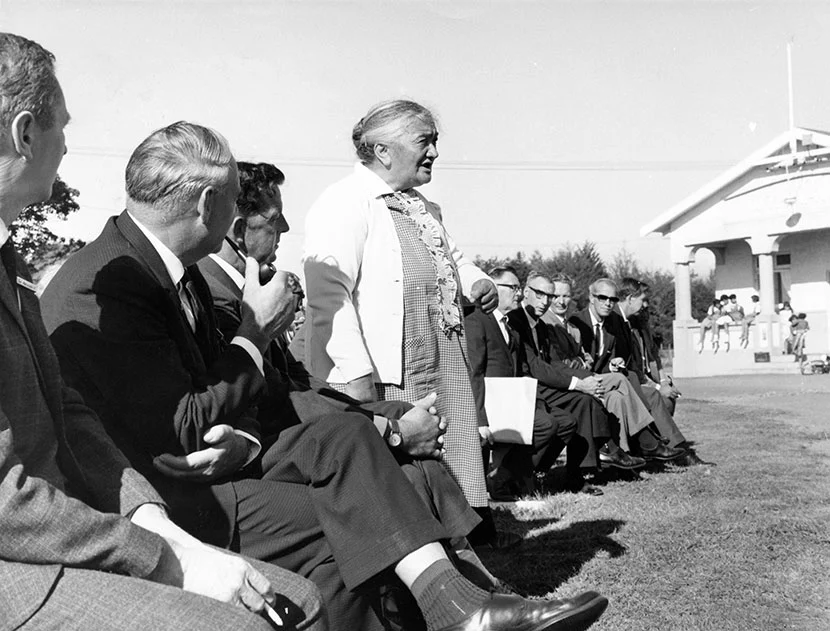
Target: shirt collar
[(594, 319), (374, 184), (230, 270), (533, 321), (498, 315), (4, 233), (174, 266), (622, 313), (556, 318)]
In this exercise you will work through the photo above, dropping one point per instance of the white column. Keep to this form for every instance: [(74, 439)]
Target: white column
[(767, 283), (682, 292)]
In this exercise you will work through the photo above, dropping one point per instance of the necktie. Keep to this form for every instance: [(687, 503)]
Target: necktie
[(190, 302), (506, 328), (9, 262), (595, 345)]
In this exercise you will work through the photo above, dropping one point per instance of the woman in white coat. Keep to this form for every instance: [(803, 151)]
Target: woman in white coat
[(385, 283)]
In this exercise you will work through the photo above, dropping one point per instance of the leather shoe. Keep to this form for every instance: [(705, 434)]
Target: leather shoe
[(500, 487), (662, 452), (513, 613), (621, 460), (690, 459)]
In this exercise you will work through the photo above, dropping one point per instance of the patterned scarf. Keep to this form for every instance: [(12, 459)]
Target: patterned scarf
[(429, 232)]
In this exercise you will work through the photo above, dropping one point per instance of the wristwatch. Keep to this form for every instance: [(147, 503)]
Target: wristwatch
[(392, 435)]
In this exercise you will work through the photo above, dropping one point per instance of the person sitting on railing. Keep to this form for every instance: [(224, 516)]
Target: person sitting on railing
[(749, 318), (710, 322)]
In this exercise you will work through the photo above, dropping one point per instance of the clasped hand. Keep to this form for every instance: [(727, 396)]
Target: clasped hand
[(423, 430)]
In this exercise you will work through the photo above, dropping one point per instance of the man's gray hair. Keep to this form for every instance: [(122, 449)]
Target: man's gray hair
[(602, 281), (384, 123), (562, 277), (536, 274), (173, 165), (27, 81)]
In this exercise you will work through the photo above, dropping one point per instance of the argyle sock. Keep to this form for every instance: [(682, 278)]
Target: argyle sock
[(444, 596)]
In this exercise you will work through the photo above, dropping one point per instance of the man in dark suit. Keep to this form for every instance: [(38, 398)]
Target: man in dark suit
[(558, 385), (495, 350), (620, 399), (131, 321), (607, 337), (86, 541)]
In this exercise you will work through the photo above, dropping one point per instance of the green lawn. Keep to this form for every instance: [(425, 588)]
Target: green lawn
[(743, 545)]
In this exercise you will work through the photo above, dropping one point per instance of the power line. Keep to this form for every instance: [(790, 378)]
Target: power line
[(552, 166)]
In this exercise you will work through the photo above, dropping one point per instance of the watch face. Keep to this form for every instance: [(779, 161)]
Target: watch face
[(395, 439)]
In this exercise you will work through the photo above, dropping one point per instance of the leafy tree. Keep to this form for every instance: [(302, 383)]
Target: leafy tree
[(34, 240), (581, 262)]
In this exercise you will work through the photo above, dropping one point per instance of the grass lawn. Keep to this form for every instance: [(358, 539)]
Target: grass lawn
[(743, 545)]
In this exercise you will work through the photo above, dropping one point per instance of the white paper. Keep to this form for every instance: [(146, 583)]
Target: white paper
[(510, 403)]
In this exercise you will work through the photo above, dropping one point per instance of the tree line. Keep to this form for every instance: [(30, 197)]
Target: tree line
[(584, 264)]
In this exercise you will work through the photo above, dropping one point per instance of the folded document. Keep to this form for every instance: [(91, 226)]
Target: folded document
[(510, 403)]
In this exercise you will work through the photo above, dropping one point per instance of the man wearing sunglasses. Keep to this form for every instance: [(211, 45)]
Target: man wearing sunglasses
[(558, 388), (636, 423), (606, 334)]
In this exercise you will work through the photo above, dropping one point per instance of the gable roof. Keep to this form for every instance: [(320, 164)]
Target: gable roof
[(809, 143)]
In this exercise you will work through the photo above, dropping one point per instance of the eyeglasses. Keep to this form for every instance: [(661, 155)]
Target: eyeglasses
[(604, 298), (514, 288), (541, 295)]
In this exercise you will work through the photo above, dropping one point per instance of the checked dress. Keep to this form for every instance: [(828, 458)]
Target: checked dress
[(435, 360)]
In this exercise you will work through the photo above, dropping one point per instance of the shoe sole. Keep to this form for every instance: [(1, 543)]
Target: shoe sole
[(662, 458), (625, 467), (582, 616)]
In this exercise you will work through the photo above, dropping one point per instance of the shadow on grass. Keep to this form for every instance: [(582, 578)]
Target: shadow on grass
[(549, 558)]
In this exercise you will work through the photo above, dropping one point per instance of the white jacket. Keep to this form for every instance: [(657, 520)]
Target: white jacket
[(354, 281)]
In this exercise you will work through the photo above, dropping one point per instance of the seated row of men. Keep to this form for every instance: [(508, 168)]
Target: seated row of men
[(595, 395), (241, 447)]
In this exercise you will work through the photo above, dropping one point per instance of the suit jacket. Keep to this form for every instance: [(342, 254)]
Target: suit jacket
[(540, 361), (582, 321), (58, 469), (292, 393), (490, 355), (113, 314)]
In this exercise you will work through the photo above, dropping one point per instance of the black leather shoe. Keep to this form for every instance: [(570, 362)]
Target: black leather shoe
[(621, 460), (513, 613), (500, 487), (690, 459), (662, 452), (588, 489)]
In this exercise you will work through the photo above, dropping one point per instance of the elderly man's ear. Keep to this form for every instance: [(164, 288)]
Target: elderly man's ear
[(237, 232), (23, 129)]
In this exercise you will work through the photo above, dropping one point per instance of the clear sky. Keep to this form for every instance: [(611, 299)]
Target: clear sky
[(560, 120)]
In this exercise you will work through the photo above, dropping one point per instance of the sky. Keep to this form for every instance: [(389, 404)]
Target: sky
[(561, 121)]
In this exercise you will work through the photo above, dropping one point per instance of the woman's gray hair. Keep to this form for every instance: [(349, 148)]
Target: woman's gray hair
[(386, 121), (173, 165)]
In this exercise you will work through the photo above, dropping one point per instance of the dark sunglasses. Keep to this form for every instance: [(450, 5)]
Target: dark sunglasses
[(604, 298), (513, 288)]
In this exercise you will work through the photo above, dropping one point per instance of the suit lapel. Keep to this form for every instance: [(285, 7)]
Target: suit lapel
[(192, 351), (28, 319)]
